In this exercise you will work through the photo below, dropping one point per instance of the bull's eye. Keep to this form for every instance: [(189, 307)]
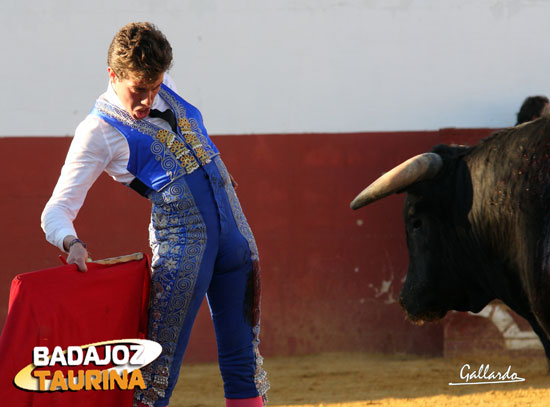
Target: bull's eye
[(417, 224)]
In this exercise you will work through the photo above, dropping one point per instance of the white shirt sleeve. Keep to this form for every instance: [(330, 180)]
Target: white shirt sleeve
[(88, 156)]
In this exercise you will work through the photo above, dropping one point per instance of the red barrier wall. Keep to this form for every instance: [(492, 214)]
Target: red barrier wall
[(330, 276)]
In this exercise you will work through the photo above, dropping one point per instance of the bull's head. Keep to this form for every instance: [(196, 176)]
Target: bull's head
[(433, 223)]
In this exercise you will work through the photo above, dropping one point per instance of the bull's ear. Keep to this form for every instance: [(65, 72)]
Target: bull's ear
[(418, 168)]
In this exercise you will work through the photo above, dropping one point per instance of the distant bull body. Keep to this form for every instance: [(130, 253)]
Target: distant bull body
[(477, 223)]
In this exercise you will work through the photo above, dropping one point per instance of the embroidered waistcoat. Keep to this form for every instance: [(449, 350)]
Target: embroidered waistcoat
[(159, 156)]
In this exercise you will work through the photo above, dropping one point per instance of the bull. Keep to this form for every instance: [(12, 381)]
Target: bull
[(477, 221)]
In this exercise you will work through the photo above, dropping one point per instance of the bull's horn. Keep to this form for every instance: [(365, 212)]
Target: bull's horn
[(417, 168)]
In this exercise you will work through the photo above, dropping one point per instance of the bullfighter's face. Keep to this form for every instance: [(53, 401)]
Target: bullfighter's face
[(136, 95)]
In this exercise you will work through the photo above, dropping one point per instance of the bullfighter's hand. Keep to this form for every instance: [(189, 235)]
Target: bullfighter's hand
[(77, 254)]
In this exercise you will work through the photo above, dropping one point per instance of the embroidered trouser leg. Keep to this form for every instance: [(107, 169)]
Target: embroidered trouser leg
[(184, 241), (234, 333), (234, 295)]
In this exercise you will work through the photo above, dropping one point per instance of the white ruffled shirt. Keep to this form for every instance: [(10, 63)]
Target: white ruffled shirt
[(96, 147)]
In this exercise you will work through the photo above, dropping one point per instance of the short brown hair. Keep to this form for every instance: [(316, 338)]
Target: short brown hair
[(139, 50)]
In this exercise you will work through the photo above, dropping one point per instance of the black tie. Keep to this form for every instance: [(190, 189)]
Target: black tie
[(167, 115)]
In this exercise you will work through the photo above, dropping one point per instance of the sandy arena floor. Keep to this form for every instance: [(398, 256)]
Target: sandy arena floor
[(358, 379)]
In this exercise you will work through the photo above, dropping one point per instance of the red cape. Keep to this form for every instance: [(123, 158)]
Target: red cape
[(63, 307)]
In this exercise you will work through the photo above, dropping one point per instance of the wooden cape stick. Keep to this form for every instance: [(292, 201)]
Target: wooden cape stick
[(120, 259)]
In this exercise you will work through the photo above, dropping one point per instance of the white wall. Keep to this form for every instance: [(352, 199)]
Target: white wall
[(271, 66)]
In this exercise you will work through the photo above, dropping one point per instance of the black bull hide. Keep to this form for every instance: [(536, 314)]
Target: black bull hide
[(479, 230)]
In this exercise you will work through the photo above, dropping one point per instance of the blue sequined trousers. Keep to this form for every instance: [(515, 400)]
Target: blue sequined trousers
[(202, 244)]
